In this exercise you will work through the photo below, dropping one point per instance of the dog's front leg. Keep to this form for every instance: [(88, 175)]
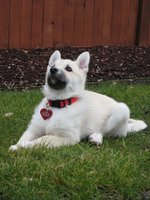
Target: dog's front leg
[(33, 132)]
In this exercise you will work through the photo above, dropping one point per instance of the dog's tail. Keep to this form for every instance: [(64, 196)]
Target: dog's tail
[(136, 125)]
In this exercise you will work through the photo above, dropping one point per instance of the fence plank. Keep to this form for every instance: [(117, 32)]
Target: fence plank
[(48, 22), (116, 21), (37, 23), (132, 28), (124, 25), (145, 24), (98, 22), (58, 22), (149, 36), (88, 23), (107, 17), (26, 24), (15, 22), (68, 30), (4, 24), (78, 22)]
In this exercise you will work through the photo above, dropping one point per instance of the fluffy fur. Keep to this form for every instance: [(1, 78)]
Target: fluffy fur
[(92, 116)]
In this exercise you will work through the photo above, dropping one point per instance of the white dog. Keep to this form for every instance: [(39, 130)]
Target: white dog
[(69, 113)]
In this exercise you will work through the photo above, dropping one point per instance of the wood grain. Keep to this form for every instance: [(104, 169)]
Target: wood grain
[(145, 24), (15, 24), (26, 24), (48, 22), (37, 23), (4, 24)]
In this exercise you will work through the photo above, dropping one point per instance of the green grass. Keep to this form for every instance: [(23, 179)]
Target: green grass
[(117, 170)]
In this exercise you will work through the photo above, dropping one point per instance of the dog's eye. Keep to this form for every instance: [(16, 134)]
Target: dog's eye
[(68, 68), (52, 66)]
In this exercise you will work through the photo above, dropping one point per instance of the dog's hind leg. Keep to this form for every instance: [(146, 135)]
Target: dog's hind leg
[(50, 141), (96, 138), (117, 123)]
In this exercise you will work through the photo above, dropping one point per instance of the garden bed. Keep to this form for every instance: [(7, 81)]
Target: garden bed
[(26, 68)]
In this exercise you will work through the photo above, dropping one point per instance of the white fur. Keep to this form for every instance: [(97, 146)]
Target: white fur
[(136, 125), (96, 138), (55, 56), (93, 115)]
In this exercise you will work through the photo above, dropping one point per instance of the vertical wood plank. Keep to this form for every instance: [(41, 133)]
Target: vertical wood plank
[(48, 22), (124, 25), (98, 22), (107, 17), (37, 23), (26, 24), (68, 31), (4, 24), (88, 23), (132, 28), (149, 36), (58, 22), (145, 23), (78, 22), (15, 24), (116, 20)]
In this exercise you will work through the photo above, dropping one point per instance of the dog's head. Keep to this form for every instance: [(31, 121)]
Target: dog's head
[(65, 76)]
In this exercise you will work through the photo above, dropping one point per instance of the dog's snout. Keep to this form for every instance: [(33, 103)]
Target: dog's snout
[(53, 70)]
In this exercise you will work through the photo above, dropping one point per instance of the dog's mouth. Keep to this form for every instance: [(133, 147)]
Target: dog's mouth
[(57, 81)]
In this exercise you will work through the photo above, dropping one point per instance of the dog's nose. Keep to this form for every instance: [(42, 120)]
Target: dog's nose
[(53, 70)]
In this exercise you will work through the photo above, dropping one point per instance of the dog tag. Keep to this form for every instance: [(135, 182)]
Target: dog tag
[(46, 113)]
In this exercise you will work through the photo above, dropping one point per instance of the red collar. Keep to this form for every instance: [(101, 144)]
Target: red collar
[(62, 103), (46, 113)]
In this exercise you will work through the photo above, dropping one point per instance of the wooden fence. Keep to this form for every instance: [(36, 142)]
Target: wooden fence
[(52, 23)]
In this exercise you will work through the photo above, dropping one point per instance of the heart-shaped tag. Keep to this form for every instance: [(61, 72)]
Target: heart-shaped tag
[(46, 113)]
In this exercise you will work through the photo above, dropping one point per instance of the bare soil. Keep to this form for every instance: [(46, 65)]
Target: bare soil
[(20, 68)]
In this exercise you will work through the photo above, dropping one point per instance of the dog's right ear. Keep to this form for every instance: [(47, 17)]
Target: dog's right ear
[(55, 56)]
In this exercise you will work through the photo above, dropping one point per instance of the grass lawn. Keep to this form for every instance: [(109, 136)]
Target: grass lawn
[(118, 170)]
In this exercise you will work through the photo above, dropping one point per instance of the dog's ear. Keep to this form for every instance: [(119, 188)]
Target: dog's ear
[(83, 61), (55, 56)]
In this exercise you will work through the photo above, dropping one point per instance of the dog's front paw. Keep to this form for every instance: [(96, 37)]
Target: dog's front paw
[(13, 147), (96, 138), (26, 144)]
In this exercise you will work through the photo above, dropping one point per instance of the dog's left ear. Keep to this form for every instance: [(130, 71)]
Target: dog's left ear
[(55, 56), (83, 61)]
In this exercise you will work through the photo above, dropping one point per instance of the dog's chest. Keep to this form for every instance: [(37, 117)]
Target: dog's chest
[(62, 120)]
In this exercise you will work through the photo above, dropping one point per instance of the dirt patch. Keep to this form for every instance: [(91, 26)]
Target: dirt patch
[(26, 68)]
